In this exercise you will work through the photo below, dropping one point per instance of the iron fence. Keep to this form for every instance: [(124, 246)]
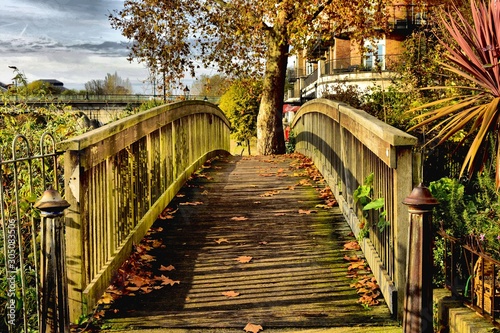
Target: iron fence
[(473, 275), (23, 178)]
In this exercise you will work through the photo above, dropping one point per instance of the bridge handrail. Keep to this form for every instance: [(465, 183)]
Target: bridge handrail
[(118, 180), (347, 145)]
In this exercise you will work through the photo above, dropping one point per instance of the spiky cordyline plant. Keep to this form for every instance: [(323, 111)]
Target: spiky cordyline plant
[(475, 51)]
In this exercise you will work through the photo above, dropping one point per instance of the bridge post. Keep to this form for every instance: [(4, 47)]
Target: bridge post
[(54, 311), (418, 306)]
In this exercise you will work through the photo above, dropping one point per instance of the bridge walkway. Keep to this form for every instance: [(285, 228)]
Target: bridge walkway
[(246, 240)]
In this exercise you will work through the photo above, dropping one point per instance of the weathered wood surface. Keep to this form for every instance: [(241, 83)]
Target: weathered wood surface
[(347, 145), (297, 276)]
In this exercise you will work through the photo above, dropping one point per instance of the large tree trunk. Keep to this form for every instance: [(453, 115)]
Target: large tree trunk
[(270, 138)]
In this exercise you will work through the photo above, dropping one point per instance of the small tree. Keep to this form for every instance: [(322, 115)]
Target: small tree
[(241, 105)]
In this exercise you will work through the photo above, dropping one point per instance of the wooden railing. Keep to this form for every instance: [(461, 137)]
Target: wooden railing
[(347, 145), (118, 180)]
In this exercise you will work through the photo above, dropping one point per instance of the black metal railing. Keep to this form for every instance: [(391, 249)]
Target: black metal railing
[(473, 275)]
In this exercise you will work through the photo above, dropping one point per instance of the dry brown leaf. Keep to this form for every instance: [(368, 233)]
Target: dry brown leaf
[(231, 293), (147, 257), (195, 203), (239, 218), (106, 299), (204, 192), (252, 328), (168, 268), (180, 195), (280, 214), (168, 213), (356, 265), (324, 206), (244, 259), (156, 243), (352, 246), (306, 211), (270, 193), (138, 281), (166, 280), (221, 240)]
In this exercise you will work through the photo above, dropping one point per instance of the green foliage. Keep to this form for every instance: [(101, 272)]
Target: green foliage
[(31, 123), (466, 210), (343, 92), (364, 196), (241, 105), (450, 194), (290, 144)]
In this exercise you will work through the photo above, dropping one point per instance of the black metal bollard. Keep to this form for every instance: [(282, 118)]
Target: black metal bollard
[(418, 304), (54, 312)]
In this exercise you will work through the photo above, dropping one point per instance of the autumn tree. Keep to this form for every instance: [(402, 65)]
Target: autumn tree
[(242, 38), (241, 105), (210, 86)]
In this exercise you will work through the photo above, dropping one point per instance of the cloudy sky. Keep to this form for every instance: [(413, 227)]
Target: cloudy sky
[(68, 40)]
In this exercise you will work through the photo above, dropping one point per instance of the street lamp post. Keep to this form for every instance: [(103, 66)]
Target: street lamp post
[(186, 93), (14, 69)]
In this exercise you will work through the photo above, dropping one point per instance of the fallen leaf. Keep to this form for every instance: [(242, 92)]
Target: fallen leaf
[(244, 259), (106, 299), (99, 314), (167, 213), (270, 193), (147, 257), (166, 280), (231, 293), (307, 212), (180, 195), (168, 268), (323, 206), (239, 218), (280, 214), (204, 192), (157, 243), (353, 258), (253, 328), (138, 281), (352, 246), (196, 203), (356, 265), (221, 240), (263, 243)]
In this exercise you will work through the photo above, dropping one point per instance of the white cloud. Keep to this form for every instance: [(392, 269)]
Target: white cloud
[(68, 40)]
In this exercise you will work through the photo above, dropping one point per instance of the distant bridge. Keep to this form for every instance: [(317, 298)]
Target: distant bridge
[(103, 107), (99, 102)]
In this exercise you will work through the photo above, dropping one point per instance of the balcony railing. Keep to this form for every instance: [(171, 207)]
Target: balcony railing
[(370, 63), (472, 275)]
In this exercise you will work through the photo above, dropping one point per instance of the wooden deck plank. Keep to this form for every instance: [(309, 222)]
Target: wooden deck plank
[(297, 275)]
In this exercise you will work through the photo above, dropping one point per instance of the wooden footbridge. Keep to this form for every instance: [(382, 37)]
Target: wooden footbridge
[(244, 240)]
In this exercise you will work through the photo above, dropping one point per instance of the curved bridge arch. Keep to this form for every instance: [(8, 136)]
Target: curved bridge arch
[(119, 178)]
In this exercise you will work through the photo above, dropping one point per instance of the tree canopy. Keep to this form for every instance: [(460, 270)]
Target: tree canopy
[(241, 104), (242, 38), (112, 84)]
